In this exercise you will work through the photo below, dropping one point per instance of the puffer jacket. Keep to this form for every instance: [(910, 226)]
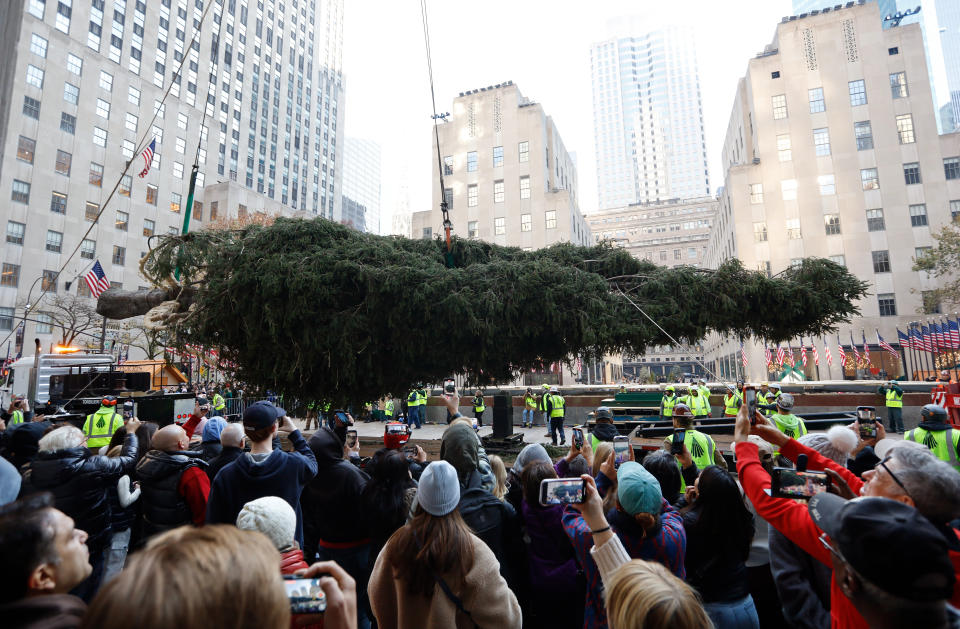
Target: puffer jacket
[(79, 483), (162, 506)]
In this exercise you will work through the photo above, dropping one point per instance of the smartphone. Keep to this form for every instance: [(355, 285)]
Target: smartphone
[(562, 491), (578, 437), (305, 596), (621, 445), (351, 438), (676, 446), (449, 386), (791, 483), (750, 399), (410, 452), (342, 418), (867, 419)]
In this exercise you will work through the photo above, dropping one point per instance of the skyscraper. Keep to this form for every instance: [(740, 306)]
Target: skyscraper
[(648, 116), (251, 88), (887, 7), (361, 184)]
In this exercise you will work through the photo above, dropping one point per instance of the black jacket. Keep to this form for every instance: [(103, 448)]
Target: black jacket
[(227, 456), (162, 506), (332, 509), (209, 450), (605, 432), (79, 483), (20, 441)]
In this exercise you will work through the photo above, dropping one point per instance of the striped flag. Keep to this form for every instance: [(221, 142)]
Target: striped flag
[(954, 326), (816, 354), (803, 352), (866, 348), (767, 355), (743, 355), (779, 355), (827, 354), (937, 334), (148, 157), (842, 353), (886, 346), (906, 341), (926, 339), (856, 352), (97, 280)]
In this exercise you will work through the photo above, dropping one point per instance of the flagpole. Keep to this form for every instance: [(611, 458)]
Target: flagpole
[(913, 351)]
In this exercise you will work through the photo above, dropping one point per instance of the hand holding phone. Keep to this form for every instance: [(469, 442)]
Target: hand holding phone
[(750, 399), (578, 437), (621, 448), (562, 491), (799, 484)]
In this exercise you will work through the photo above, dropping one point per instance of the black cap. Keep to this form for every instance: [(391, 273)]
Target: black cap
[(202, 401), (604, 412), (889, 543), (262, 414)]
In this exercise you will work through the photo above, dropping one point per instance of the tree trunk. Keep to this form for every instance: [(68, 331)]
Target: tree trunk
[(124, 304)]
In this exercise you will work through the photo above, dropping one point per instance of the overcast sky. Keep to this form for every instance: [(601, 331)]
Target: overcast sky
[(542, 46)]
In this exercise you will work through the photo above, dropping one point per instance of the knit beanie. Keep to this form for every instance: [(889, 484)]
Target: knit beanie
[(439, 490), (836, 444), (215, 425), (272, 516)]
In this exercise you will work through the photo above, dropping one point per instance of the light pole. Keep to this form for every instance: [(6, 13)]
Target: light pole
[(32, 385)]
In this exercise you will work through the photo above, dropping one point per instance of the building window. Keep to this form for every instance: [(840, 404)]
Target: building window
[(119, 255), (130, 122), (663, 256), (472, 229), (498, 191), (10, 275), (911, 173), (524, 151), (123, 220), (71, 93), (550, 217), (784, 151), (214, 207), (815, 96), (788, 189), (525, 187), (918, 215), (759, 232), (881, 261), (175, 198), (793, 228), (893, 51), (447, 161), (831, 223), (427, 233), (905, 128), (875, 222), (38, 45), (955, 209), (20, 192), (887, 303), (54, 241), (34, 76), (858, 93), (15, 232), (526, 222), (125, 183), (88, 250), (99, 137), (951, 167), (74, 64), (779, 106), (149, 227), (127, 147), (756, 193), (152, 194), (499, 226), (691, 252), (497, 156), (472, 162), (58, 203), (472, 195), (96, 174), (197, 210), (6, 318), (133, 96), (920, 252), (898, 85), (864, 135), (870, 179), (841, 260), (821, 141), (827, 186), (25, 149), (44, 321), (676, 254), (448, 197), (68, 123), (31, 107), (62, 165)]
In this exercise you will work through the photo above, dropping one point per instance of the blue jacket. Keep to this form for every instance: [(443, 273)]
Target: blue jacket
[(282, 474)]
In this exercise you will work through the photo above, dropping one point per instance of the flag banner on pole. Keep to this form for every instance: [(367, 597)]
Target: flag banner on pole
[(954, 333), (767, 355), (779, 355), (816, 353), (841, 353), (917, 340), (97, 280), (743, 355), (886, 346), (927, 339), (905, 341), (803, 353), (937, 333), (148, 157), (826, 353), (856, 352), (866, 348)]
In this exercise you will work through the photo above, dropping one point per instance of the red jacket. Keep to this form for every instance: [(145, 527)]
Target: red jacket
[(291, 561)]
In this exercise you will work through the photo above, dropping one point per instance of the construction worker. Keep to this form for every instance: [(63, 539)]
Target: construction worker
[(732, 400), (699, 405), (603, 427), (555, 410), (786, 422), (702, 448), (219, 405), (15, 412), (423, 395), (704, 389), (668, 401), (936, 433), (100, 426), (388, 409), (413, 408), (478, 407), (529, 407), (769, 404), (894, 398), (544, 395)]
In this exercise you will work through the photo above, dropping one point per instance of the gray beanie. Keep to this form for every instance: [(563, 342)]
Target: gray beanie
[(439, 491), (836, 444)]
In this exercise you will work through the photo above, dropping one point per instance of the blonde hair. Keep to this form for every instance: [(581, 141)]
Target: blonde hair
[(62, 438), (500, 474), (193, 578), (462, 420), (645, 595), (601, 454)]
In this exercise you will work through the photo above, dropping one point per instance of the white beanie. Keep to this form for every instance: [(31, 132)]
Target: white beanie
[(439, 490), (272, 516)]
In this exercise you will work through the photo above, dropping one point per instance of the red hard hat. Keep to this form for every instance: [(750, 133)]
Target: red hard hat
[(395, 434)]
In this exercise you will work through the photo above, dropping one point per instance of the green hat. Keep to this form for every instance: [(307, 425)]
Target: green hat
[(637, 489)]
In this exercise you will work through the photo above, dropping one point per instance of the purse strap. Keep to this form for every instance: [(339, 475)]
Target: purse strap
[(446, 588)]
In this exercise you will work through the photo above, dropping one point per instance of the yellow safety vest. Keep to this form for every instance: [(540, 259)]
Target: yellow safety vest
[(557, 401), (529, 402), (413, 399), (940, 442), (668, 403), (16, 417), (698, 405), (388, 408), (701, 448), (100, 426), (218, 403), (894, 400), (731, 403), (478, 408)]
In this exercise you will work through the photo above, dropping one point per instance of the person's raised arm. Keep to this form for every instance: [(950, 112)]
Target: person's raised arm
[(300, 447)]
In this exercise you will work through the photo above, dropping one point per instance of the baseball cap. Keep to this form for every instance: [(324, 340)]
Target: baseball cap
[(883, 447), (889, 543), (637, 489), (202, 401), (261, 415)]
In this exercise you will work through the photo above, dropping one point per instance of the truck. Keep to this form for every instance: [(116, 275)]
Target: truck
[(68, 387)]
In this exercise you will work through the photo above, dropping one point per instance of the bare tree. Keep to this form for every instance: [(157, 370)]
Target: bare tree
[(72, 316), (151, 341)]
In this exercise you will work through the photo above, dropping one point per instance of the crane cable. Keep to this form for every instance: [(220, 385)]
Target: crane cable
[(444, 209)]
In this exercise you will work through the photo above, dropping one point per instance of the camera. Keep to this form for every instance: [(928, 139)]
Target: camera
[(578, 437), (676, 446), (305, 596), (562, 491), (621, 445), (803, 485)]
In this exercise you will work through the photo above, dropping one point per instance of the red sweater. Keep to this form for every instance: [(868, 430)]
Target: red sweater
[(792, 519), (194, 483)]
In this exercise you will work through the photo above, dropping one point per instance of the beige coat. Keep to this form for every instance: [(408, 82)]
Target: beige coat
[(484, 594)]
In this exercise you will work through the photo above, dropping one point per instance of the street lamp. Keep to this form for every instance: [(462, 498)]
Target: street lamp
[(32, 386)]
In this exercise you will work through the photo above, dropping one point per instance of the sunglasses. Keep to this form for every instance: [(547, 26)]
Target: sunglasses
[(883, 464)]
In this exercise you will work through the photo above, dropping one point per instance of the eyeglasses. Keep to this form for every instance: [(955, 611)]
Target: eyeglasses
[(883, 464)]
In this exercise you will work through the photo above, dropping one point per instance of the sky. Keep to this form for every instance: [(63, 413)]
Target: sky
[(543, 47)]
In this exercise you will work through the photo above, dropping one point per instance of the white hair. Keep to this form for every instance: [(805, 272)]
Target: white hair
[(61, 439)]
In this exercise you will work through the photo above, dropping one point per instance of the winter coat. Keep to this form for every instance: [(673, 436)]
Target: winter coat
[(291, 561), (803, 584), (551, 560), (79, 483), (715, 569), (227, 456), (162, 506), (50, 611)]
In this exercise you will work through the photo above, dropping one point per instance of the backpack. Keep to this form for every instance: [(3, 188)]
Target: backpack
[(488, 518)]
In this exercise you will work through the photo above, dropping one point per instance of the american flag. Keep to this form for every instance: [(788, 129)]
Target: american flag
[(97, 279), (842, 353), (803, 353), (743, 355), (886, 346), (926, 339), (148, 157), (826, 353), (866, 348), (937, 333), (954, 328), (767, 356), (856, 352), (816, 353), (906, 341), (779, 355)]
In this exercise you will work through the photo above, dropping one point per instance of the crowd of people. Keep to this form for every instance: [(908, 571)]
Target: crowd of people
[(205, 524)]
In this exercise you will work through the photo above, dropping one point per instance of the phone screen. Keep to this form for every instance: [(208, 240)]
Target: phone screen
[(351, 438), (342, 417), (562, 491), (676, 446), (789, 483), (397, 429), (750, 399), (578, 438), (449, 386), (620, 447), (305, 596)]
